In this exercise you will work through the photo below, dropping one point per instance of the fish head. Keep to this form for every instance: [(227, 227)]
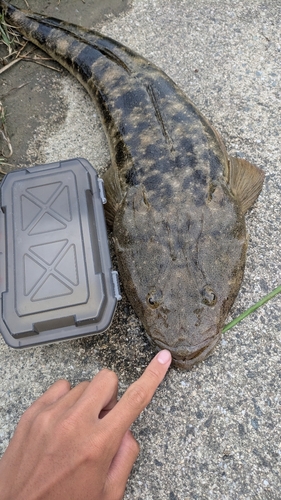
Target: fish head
[(181, 269)]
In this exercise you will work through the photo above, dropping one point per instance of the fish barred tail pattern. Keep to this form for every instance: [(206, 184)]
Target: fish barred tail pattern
[(3, 5)]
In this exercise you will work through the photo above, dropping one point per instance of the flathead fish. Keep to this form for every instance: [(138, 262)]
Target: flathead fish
[(176, 200)]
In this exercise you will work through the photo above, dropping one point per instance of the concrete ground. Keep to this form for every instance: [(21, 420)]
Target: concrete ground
[(213, 432)]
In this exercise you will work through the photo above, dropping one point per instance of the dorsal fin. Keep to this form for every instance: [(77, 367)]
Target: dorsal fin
[(245, 181)]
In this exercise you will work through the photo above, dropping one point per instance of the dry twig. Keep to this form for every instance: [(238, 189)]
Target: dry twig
[(4, 133)]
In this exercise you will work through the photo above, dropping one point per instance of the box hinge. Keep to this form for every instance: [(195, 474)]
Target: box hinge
[(116, 285), (102, 192)]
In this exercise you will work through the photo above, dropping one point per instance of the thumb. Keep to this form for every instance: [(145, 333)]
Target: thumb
[(121, 465)]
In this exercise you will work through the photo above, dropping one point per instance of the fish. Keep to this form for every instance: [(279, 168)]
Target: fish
[(176, 200)]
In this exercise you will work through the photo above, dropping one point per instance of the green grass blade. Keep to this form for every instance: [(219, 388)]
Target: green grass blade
[(4, 34), (251, 309)]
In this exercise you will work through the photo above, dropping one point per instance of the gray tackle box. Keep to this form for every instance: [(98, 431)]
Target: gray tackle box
[(56, 278)]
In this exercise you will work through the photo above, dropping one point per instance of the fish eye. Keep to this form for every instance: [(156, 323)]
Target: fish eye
[(153, 299), (208, 296)]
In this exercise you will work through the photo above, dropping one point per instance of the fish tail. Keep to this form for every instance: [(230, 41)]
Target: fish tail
[(49, 35), (23, 21), (40, 30), (58, 39), (3, 4), (6, 9)]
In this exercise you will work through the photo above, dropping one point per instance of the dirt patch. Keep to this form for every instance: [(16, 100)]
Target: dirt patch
[(86, 13), (31, 94)]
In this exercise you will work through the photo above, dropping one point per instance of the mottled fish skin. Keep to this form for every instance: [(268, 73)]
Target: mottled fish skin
[(179, 230)]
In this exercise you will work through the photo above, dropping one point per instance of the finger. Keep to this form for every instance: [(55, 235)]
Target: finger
[(56, 391), (71, 398), (137, 396), (100, 395), (64, 398), (122, 464)]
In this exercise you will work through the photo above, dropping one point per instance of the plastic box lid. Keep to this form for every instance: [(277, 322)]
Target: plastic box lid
[(56, 278)]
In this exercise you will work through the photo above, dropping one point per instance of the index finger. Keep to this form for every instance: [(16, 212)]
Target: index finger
[(139, 394)]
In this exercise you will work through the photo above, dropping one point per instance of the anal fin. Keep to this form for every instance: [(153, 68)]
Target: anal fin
[(245, 181)]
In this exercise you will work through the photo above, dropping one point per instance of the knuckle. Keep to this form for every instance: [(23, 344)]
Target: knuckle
[(134, 447), (95, 449), (69, 423), (110, 376), (153, 374), (27, 416), (42, 422), (108, 380), (46, 418), (62, 384), (137, 396), (25, 422), (66, 429), (90, 454)]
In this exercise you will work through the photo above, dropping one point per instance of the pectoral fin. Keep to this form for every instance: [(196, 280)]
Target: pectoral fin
[(245, 181)]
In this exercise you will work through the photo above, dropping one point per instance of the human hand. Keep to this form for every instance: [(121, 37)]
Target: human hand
[(75, 443)]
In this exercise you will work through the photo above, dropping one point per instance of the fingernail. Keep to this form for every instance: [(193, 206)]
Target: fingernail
[(164, 357)]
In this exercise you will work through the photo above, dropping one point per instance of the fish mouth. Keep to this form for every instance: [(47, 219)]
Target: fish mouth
[(191, 359), (195, 354)]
